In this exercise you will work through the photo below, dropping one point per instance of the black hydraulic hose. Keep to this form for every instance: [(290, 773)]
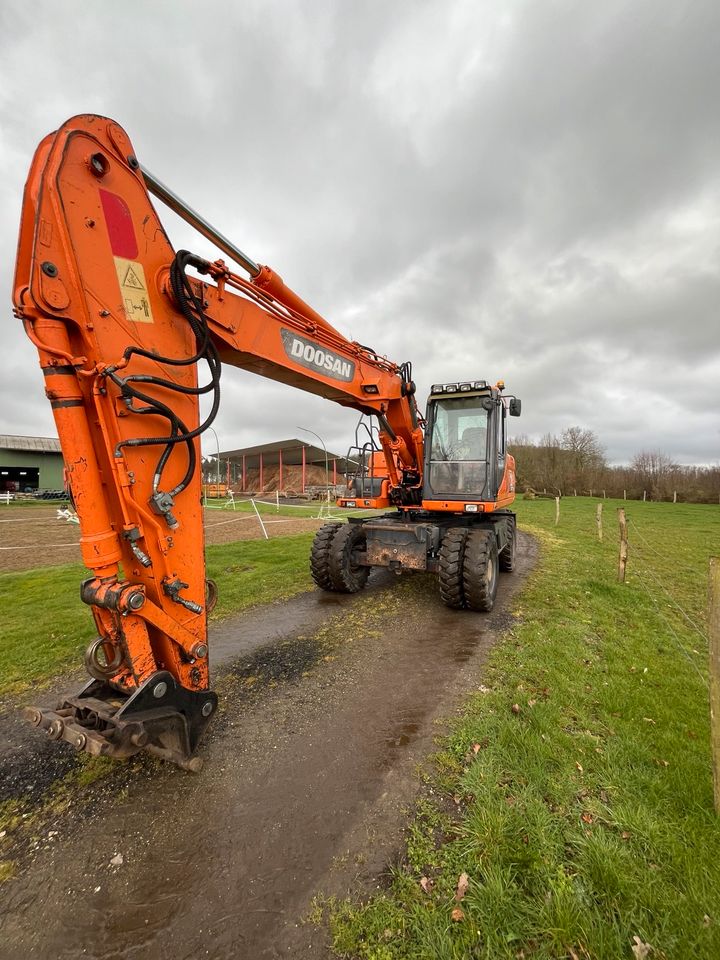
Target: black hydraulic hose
[(206, 350), (178, 428), (182, 291), (169, 385), (188, 435)]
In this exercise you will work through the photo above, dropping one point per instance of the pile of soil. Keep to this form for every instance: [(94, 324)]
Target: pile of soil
[(291, 479)]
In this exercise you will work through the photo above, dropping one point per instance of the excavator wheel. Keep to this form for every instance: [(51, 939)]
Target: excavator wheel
[(346, 574), (480, 570), (320, 556), (450, 567), (506, 557)]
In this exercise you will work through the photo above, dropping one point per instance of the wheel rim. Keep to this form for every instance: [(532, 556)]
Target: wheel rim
[(359, 546), (490, 572)]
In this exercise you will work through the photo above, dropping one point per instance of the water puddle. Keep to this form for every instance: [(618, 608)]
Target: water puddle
[(403, 734)]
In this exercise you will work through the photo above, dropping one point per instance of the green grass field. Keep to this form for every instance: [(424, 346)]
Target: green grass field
[(46, 626), (575, 790), (266, 505)]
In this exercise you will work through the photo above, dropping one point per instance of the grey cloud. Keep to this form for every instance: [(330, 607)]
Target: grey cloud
[(485, 190)]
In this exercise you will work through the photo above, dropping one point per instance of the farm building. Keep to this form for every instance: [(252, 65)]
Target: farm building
[(286, 465), (30, 463), (36, 463)]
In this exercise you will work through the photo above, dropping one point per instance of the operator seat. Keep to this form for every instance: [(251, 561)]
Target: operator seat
[(474, 439), (473, 471)]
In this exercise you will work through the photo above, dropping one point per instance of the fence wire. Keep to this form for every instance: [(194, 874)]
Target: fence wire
[(693, 625), (644, 574), (678, 642), (640, 566)]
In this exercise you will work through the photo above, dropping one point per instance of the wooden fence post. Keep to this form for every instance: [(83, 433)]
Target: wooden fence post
[(624, 494), (557, 510), (674, 496), (598, 519), (622, 520), (714, 644), (644, 495)]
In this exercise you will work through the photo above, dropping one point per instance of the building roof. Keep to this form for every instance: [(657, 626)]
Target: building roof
[(291, 453), (30, 444), (291, 450)]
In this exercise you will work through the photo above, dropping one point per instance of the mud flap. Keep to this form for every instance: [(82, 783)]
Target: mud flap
[(161, 717)]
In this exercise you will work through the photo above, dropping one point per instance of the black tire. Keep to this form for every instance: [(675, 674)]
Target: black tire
[(480, 570), (320, 556), (450, 567), (211, 595), (346, 575), (506, 557)]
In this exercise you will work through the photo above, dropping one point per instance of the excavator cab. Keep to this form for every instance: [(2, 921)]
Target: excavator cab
[(465, 445)]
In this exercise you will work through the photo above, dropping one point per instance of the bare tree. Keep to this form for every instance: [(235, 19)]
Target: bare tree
[(584, 458), (550, 465), (576, 461), (655, 470), (584, 448)]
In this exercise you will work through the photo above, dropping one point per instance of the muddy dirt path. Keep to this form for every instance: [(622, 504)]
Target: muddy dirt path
[(328, 705)]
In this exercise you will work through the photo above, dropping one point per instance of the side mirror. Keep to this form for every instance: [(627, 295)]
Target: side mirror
[(515, 407), (487, 403)]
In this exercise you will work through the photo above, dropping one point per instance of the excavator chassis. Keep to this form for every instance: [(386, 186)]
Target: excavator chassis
[(402, 545), (161, 717), (464, 551)]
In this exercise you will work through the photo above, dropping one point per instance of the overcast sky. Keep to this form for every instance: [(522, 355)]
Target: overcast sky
[(526, 190)]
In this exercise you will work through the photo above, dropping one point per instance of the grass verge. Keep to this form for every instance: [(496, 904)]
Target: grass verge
[(575, 790), (46, 626)]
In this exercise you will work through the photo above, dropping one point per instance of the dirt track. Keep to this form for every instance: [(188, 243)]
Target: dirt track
[(329, 702), (27, 533)]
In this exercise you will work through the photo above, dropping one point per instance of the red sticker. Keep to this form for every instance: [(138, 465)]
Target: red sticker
[(119, 224)]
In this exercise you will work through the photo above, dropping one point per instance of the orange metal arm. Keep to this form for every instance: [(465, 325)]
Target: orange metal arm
[(276, 340), (93, 289)]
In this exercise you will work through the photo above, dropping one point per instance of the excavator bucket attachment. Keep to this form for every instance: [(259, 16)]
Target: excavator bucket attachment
[(161, 717)]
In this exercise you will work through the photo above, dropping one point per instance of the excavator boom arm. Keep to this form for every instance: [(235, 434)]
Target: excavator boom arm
[(121, 327)]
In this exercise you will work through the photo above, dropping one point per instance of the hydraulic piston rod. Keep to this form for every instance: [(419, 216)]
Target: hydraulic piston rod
[(176, 204), (263, 277)]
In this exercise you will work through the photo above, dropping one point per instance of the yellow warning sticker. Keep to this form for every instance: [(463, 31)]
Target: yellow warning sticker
[(133, 288)]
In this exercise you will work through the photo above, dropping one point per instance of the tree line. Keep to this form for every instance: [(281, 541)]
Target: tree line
[(575, 463)]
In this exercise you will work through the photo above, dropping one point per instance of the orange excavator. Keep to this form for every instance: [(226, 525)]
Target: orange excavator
[(123, 328)]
